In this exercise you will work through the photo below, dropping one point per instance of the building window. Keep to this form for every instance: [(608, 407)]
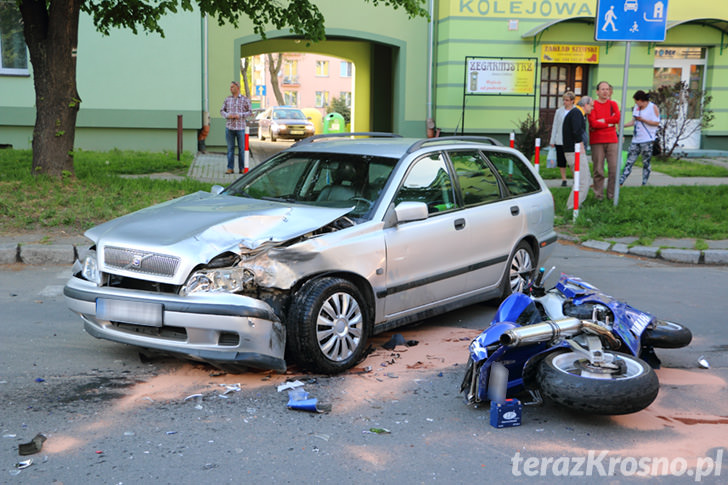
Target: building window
[(322, 99), (13, 53), (345, 69), (290, 98), (322, 68), (347, 97), (290, 72)]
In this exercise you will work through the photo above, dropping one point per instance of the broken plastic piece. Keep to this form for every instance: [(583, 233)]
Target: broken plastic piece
[(231, 388), (379, 431), (703, 363), (289, 385), (395, 340), (33, 446), (298, 400), (24, 464)]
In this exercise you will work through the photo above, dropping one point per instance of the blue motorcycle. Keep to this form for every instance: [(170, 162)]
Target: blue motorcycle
[(572, 344)]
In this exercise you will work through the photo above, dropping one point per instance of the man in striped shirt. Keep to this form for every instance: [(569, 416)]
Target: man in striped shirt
[(235, 109)]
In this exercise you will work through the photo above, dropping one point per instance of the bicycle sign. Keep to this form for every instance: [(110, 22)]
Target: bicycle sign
[(631, 20)]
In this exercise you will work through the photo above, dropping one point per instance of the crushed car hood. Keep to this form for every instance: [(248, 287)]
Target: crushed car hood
[(204, 225)]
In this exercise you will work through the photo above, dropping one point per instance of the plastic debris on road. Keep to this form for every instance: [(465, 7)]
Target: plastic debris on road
[(703, 362), (33, 446), (298, 400)]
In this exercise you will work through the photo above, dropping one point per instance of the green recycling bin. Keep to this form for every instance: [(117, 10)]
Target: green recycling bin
[(334, 123)]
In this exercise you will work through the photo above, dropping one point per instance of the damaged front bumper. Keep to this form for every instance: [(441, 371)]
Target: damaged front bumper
[(218, 328)]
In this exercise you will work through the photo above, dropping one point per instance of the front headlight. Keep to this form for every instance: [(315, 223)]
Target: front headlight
[(228, 280), (90, 269)]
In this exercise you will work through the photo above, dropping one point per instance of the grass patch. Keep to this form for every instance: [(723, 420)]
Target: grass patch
[(649, 213), (97, 193)]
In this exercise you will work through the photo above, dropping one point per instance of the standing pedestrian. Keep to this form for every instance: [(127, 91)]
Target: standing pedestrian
[(235, 109), (646, 121), (557, 133), (603, 140), (575, 139)]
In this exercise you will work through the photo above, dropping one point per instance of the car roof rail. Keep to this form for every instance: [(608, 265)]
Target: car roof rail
[(449, 139), (369, 134)]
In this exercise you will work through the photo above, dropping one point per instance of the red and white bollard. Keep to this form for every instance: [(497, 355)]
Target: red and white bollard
[(513, 140), (246, 155), (576, 182), (536, 161)]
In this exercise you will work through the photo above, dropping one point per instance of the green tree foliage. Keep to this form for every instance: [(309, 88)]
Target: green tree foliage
[(51, 33), (684, 110), (339, 105), (528, 130)]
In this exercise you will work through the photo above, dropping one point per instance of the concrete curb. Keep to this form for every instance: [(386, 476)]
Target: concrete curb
[(674, 255)]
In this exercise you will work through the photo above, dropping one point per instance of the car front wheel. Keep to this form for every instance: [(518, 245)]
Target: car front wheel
[(327, 325)]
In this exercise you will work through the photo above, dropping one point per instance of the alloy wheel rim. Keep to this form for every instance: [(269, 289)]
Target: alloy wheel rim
[(339, 326), (521, 268)]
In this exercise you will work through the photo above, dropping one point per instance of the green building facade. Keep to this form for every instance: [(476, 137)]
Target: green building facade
[(135, 88)]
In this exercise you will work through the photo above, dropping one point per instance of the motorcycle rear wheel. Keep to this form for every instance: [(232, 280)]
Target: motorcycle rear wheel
[(667, 335), (564, 378)]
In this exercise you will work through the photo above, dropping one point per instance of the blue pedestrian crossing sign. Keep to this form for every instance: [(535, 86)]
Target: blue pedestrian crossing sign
[(631, 20)]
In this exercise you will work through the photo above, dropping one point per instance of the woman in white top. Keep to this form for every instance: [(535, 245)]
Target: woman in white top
[(557, 133), (646, 121)]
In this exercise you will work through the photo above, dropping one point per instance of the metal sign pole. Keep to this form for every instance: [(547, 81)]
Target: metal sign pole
[(623, 110)]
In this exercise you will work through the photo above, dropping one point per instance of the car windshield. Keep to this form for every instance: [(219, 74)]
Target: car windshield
[(288, 114), (321, 179)]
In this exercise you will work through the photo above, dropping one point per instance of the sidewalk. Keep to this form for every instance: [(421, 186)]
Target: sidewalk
[(210, 167)]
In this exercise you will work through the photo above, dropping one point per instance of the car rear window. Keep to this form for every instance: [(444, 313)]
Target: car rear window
[(517, 177)]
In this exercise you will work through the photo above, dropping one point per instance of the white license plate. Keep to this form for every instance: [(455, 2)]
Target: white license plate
[(296, 132), (140, 313)]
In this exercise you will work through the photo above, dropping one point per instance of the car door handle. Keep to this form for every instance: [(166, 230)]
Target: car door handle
[(515, 210), (459, 224)]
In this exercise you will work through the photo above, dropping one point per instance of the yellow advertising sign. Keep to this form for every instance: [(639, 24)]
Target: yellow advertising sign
[(570, 54), (501, 76)]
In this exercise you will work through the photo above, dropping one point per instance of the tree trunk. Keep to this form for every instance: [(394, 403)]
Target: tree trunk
[(51, 33), (244, 72), (274, 67)]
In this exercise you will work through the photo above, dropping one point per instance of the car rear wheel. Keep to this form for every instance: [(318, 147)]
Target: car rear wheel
[(520, 269), (327, 326)]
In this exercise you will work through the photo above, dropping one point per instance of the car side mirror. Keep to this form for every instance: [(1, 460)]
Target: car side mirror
[(410, 211)]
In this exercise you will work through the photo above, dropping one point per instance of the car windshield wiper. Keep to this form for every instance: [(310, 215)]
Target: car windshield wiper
[(279, 199)]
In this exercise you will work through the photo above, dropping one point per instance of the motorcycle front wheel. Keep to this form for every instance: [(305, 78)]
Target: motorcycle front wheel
[(569, 379)]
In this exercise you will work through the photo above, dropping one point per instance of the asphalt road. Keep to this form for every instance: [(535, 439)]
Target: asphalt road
[(111, 417)]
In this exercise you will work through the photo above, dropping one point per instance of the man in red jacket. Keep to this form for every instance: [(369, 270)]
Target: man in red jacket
[(603, 140)]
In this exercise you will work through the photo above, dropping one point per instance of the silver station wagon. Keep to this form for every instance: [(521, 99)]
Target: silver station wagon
[(326, 243)]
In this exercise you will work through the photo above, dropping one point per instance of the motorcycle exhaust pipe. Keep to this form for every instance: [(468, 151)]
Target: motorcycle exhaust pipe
[(541, 332)]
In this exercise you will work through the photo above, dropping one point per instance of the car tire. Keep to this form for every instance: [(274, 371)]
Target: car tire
[(328, 326), (272, 136), (519, 270)]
